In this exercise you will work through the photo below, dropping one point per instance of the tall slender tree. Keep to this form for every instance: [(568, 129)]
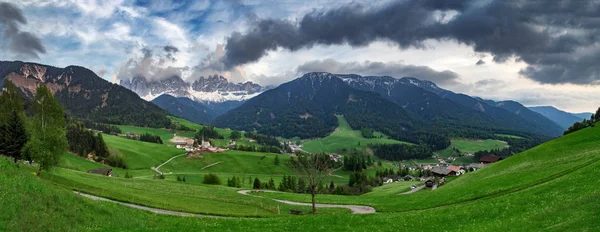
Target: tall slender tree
[(14, 136), (48, 135), (12, 126)]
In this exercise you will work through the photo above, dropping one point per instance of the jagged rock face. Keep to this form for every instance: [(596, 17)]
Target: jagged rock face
[(211, 89), (219, 83), (174, 86)]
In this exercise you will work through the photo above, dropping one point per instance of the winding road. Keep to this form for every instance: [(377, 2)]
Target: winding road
[(154, 210), (356, 209), (156, 168)]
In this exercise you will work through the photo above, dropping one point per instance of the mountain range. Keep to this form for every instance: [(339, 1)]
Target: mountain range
[(84, 95), (215, 93), (184, 107), (406, 108), (305, 107), (562, 118)]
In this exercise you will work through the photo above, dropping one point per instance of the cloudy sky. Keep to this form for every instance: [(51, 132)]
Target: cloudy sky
[(537, 52)]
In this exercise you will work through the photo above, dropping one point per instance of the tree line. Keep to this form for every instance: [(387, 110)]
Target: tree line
[(584, 124), (208, 132), (147, 137), (397, 152), (40, 137)]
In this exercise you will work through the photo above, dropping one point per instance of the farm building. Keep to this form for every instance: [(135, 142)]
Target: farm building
[(102, 171), (488, 159), (457, 169), (441, 172)]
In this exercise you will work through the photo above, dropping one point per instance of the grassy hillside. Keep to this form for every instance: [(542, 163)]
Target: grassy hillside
[(140, 155), (551, 187), (469, 145), (344, 137), (539, 166), (165, 134)]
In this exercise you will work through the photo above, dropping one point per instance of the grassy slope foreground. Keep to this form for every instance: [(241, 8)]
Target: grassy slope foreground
[(551, 187), (344, 137)]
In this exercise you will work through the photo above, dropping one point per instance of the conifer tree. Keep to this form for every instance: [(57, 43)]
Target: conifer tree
[(256, 184), (277, 160), (14, 136)]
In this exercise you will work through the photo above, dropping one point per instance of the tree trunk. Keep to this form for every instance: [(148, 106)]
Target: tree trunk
[(39, 173), (312, 193), (15, 160)]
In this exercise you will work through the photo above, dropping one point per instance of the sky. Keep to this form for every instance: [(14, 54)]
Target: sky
[(536, 52)]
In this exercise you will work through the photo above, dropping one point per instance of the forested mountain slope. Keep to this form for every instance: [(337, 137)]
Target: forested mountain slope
[(85, 95)]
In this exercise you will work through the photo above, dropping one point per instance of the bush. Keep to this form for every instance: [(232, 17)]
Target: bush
[(127, 175), (116, 160), (211, 179)]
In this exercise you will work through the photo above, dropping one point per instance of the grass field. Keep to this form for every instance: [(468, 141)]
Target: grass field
[(235, 163), (165, 134), (226, 133), (550, 188), (344, 137), (468, 145), (140, 155), (537, 166)]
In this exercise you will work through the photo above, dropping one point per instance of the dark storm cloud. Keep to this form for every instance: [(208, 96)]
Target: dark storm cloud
[(22, 43), (480, 62), (556, 40), (394, 69), (170, 52), (171, 49)]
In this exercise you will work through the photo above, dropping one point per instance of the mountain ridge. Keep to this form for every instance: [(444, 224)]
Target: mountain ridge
[(562, 118), (84, 94)]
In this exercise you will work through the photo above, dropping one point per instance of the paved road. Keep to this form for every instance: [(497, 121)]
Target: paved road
[(356, 209), (414, 190), (154, 210)]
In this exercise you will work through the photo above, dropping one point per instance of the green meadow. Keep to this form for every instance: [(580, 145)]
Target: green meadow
[(344, 137), (140, 155), (550, 188), (469, 145)]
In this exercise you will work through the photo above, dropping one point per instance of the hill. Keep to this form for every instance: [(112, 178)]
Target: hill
[(507, 114), (583, 115), (562, 118), (344, 137), (184, 108), (84, 95), (305, 108), (425, 104), (139, 155), (548, 187)]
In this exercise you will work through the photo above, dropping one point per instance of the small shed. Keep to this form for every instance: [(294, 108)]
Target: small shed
[(101, 171), (429, 183)]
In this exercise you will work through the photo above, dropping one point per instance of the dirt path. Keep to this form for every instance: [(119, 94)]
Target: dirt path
[(156, 168), (356, 209), (210, 165), (331, 173), (413, 190), (154, 210)]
